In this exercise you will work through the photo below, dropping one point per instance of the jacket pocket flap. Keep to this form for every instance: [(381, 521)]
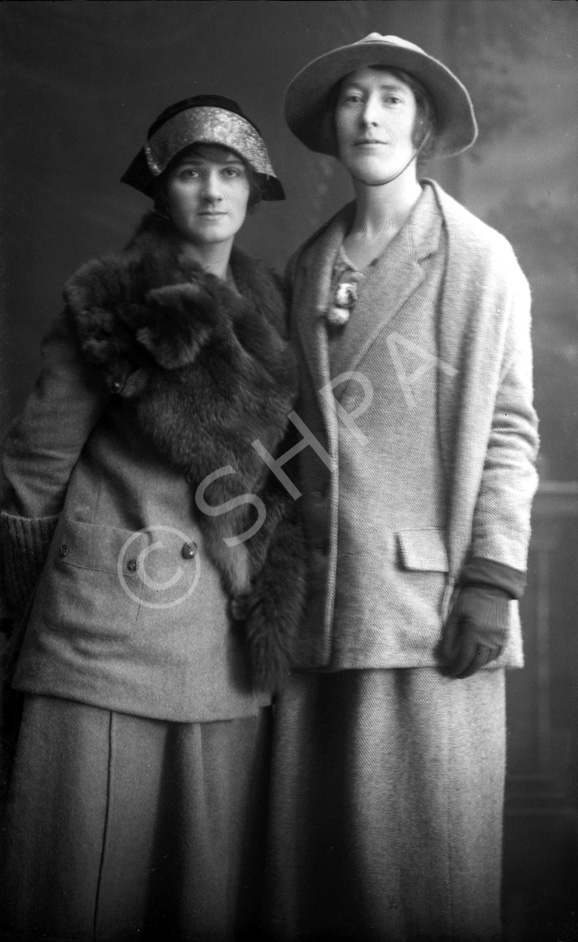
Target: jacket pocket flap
[(423, 549), (91, 546)]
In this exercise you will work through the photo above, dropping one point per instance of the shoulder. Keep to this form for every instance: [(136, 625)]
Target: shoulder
[(261, 286), (252, 270), (150, 259), (476, 250), (300, 257), (256, 280), (468, 233)]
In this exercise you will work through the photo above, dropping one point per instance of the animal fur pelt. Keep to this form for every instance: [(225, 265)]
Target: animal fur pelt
[(209, 371)]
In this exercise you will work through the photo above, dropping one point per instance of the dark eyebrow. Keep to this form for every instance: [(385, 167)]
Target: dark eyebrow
[(385, 86)]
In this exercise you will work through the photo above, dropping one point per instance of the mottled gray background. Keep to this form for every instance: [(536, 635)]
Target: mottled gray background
[(83, 81)]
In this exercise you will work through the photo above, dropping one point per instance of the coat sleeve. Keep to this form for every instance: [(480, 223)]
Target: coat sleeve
[(501, 525), (38, 456)]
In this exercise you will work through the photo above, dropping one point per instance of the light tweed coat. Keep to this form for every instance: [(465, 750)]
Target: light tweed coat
[(481, 375), (89, 492), (387, 785)]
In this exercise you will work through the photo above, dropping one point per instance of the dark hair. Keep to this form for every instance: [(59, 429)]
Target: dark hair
[(425, 125), (159, 192), (424, 132)]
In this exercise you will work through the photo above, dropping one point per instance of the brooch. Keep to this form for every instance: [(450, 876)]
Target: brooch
[(343, 303)]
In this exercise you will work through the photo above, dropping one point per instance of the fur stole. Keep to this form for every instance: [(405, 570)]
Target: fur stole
[(208, 371)]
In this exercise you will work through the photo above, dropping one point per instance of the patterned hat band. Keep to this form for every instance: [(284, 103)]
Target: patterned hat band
[(207, 125)]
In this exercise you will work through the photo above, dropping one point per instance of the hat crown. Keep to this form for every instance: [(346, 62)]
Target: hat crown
[(391, 40), (197, 101)]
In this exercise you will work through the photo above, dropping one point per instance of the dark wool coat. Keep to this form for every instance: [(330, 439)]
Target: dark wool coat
[(137, 444)]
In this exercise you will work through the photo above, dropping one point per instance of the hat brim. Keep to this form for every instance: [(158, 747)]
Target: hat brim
[(139, 176), (308, 95)]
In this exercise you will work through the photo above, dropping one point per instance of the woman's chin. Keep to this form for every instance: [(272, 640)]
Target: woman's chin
[(377, 179), (374, 172)]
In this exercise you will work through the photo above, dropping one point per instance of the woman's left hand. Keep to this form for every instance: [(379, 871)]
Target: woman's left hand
[(476, 630)]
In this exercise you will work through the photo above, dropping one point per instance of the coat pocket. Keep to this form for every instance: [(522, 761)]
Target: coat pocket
[(423, 549), (422, 578), (88, 585)]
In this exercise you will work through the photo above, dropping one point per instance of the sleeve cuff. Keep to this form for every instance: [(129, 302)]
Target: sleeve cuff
[(480, 571), (24, 543)]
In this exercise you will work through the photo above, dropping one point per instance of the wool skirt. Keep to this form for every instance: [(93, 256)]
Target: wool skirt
[(119, 827), (386, 807)]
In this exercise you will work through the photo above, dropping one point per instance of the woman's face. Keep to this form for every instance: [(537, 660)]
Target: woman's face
[(374, 121), (207, 195)]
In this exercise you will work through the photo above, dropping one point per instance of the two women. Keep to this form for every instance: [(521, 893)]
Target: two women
[(155, 567), (411, 318)]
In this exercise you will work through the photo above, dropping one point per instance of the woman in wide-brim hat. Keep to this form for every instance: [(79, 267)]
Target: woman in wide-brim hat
[(155, 574), (411, 318)]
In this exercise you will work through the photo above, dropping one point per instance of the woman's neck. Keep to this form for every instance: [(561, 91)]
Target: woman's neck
[(380, 212), (214, 258)]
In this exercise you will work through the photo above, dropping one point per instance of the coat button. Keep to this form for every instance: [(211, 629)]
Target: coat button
[(189, 550), (63, 550), (189, 478), (132, 565)]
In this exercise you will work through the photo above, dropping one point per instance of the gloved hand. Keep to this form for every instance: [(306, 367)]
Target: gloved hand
[(476, 630)]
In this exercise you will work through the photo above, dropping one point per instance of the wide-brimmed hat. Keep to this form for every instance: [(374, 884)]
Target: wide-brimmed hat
[(308, 96), (203, 119)]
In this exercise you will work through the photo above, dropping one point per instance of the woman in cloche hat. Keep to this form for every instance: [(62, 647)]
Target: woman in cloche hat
[(155, 573), (411, 318)]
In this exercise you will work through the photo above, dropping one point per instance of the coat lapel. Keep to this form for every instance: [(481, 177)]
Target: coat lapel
[(315, 269), (393, 279)]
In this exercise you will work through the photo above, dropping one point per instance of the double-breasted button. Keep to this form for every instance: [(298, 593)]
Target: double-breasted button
[(189, 550), (132, 565), (63, 550)]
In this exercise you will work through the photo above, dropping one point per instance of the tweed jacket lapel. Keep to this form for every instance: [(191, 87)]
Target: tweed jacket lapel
[(310, 303), (392, 280), (316, 266)]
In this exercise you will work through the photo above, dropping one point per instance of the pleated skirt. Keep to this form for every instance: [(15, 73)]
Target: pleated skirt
[(122, 828), (386, 807)]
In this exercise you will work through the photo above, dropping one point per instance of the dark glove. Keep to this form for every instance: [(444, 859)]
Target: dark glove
[(476, 630)]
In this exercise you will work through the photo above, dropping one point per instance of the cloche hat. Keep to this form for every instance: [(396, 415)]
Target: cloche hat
[(307, 96), (203, 119)]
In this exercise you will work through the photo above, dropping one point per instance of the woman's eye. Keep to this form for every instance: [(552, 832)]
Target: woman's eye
[(232, 172), (188, 173)]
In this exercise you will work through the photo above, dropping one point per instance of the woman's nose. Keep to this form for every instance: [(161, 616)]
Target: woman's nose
[(370, 113), (212, 189)]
